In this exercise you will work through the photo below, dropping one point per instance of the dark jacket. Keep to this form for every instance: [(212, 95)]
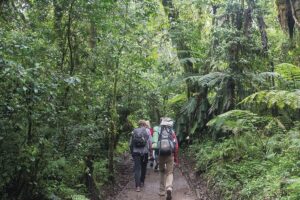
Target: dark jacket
[(141, 150)]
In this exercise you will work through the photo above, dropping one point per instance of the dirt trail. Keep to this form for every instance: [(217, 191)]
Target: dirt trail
[(181, 190)]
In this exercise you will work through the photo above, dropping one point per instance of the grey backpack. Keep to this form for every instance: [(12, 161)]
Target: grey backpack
[(166, 143), (140, 137)]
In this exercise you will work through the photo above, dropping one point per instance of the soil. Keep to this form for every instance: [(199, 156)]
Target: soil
[(187, 185), (181, 190)]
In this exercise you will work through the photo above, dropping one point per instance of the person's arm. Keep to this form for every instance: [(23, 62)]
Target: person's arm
[(151, 131), (154, 139), (149, 142), (131, 145), (176, 149), (150, 145)]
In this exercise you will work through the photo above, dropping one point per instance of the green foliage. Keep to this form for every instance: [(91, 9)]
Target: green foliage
[(77, 75), (290, 73), (79, 197), (236, 122), (63, 178), (63, 71), (100, 172), (211, 80), (279, 99), (257, 161), (122, 147)]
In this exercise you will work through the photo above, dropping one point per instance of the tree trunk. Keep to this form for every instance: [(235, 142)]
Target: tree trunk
[(285, 16), (71, 46), (93, 34), (89, 180), (113, 121), (113, 130), (263, 34), (183, 52), (231, 87), (58, 15)]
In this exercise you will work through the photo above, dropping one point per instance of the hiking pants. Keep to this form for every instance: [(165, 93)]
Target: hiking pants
[(155, 156), (166, 167), (140, 167)]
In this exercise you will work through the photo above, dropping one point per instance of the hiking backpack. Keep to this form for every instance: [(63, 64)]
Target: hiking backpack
[(166, 142), (139, 137)]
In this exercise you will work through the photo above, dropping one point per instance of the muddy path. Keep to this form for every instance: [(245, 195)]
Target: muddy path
[(181, 189)]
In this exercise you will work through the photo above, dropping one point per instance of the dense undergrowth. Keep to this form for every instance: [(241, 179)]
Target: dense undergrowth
[(252, 164), (253, 152), (64, 178)]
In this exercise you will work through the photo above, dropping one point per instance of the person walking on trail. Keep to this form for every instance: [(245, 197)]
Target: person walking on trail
[(148, 126), (167, 156), (150, 131), (140, 148), (156, 131)]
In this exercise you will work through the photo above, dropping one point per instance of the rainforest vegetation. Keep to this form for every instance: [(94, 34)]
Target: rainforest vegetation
[(77, 75)]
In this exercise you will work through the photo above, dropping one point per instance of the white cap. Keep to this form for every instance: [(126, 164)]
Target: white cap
[(166, 122)]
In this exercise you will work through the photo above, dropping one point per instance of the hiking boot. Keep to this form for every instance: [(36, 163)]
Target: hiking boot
[(156, 168), (151, 164), (169, 195), (138, 189)]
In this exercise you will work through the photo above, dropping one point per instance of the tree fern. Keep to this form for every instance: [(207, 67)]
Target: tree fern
[(280, 99), (189, 107), (211, 80)]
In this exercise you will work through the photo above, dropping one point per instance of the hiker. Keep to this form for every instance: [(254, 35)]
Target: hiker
[(140, 148), (148, 126), (167, 155), (156, 130), (150, 131)]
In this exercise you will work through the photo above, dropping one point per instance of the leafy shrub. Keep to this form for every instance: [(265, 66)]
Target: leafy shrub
[(63, 178), (79, 197), (122, 147), (100, 172), (259, 159), (290, 73)]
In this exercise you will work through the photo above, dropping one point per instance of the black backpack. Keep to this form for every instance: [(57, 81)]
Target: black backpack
[(140, 137), (166, 143)]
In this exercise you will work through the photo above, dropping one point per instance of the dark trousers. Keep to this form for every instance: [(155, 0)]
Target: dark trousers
[(140, 168)]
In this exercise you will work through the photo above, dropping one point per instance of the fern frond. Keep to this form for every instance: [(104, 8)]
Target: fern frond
[(177, 98), (210, 80), (242, 121), (235, 121), (290, 73), (285, 75), (265, 75), (280, 99), (189, 107)]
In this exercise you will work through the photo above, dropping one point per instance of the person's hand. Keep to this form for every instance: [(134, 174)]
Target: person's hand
[(176, 162), (151, 157)]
